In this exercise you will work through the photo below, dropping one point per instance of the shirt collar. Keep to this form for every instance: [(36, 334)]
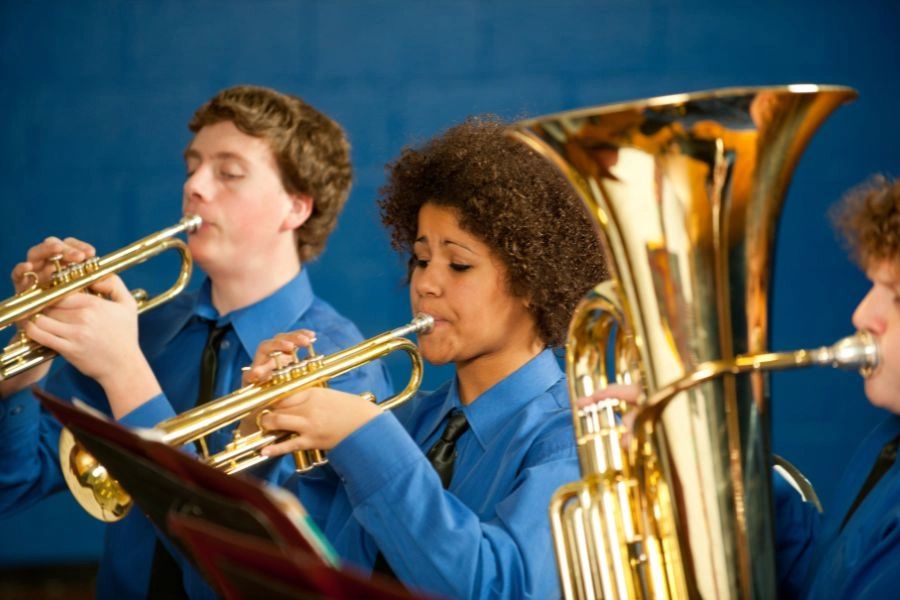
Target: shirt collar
[(273, 314), (493, 408)]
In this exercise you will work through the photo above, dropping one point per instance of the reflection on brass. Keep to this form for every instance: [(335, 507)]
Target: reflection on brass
[(23, 354), (685, 192), (289, 377)]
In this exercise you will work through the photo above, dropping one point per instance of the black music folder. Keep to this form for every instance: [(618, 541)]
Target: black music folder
[(223, 524)]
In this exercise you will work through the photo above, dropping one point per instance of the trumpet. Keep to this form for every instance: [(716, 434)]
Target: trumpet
[(23, 354), (102, 496)]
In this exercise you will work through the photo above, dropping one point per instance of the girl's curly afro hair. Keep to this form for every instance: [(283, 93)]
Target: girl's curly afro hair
[(514, 201)]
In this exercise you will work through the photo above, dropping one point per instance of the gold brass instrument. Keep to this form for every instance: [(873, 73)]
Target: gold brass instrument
[(23, 354), (685, 191), (103, 498)]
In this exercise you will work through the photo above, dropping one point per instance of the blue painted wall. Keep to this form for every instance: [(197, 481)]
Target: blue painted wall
[(95, 95)]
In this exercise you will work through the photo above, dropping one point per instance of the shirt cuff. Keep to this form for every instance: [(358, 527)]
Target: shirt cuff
[(149, 413), (373, 456)]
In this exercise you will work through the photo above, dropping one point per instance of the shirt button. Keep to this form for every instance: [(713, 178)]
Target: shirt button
[(15, 410), (225, 344)]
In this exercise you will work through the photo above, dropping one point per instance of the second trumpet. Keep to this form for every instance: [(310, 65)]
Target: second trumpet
[(101, 495)]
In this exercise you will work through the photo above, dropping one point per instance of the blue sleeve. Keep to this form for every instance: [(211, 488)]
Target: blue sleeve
[(435, 542), (796, 525), (29, 459), (29, 456), (317, 488)]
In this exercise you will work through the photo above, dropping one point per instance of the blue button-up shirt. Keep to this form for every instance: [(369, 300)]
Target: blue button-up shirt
[(818, 559), (172, 338), (488, 535)]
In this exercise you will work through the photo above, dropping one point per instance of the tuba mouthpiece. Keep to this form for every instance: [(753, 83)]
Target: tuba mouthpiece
[(857, 351)]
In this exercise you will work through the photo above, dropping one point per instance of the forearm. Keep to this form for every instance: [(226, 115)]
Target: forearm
[(131, 386)]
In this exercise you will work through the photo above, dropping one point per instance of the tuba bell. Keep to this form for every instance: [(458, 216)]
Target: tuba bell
[(685, 192), (102, 496), (23, 354)]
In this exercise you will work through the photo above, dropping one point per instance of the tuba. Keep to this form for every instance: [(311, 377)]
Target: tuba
[(102, 496), (685, 191), (23, 354)]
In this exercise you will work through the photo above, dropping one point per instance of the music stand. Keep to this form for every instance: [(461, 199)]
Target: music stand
[(248, 567), (243, 537)]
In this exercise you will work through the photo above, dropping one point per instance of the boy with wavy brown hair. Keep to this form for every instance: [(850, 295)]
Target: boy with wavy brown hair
[(269, 175)]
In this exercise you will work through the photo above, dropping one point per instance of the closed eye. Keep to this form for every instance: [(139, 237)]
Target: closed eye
[(460, 267)]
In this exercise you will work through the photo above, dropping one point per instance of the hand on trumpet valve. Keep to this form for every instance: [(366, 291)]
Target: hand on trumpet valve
[(320, 417), (276, 353), (98, 334), (48, 257)]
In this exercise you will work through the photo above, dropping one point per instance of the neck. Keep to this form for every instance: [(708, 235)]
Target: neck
[(480, 374), (237, 289)]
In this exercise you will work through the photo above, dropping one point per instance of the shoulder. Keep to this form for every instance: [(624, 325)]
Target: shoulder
[(548, 420), (333, 330)]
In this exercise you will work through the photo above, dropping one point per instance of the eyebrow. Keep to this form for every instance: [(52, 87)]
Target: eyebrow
[(424, 238), (191, 153)]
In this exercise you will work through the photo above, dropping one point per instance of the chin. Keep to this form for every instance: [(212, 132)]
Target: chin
[(434, 356), (881, 398)]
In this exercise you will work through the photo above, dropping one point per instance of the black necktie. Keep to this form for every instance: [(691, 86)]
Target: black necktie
[(165, 574), (209, 362), (882, 465), (441, 456)]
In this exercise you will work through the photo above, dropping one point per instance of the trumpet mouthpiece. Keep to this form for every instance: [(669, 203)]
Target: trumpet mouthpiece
[(422, 323), (191, 223)]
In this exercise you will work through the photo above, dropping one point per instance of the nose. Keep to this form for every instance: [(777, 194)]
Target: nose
[(197, 186), (867, 316), (425, 281)]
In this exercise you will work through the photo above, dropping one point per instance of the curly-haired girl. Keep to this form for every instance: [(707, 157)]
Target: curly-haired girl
[(500, 251)]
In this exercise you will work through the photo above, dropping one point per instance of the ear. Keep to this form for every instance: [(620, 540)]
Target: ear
[(300, 211)]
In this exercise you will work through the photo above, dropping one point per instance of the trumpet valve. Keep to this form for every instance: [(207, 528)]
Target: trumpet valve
[(306, 460), (61, 273), (282, 372)]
